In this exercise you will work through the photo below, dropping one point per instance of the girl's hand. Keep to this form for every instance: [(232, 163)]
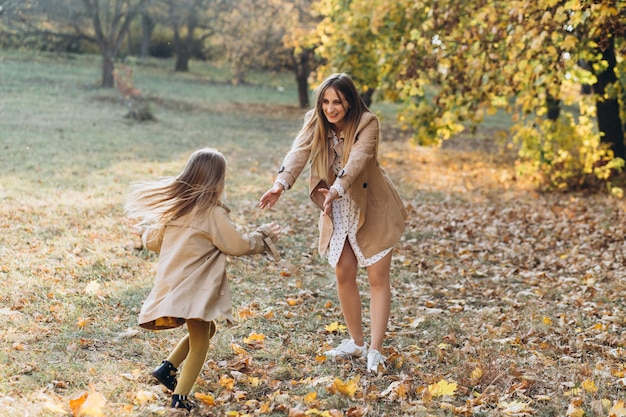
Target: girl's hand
[(274, 231), (271, 196), (329, 196)]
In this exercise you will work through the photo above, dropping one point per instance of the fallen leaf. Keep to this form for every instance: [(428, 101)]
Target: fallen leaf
[(477, 373), (335, 327), (348, 388), (88, 404), (442, 388), (618, 409), (255, 340), (310, 398), (92, 288), (357, 411), (515, 408), (589, 386), (573, 411), (238, 349), (142, 397), (227, 382), (207, 399)]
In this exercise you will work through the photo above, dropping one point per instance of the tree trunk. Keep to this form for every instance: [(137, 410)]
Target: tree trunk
[(147, 26), (182, 60), (107, 67), (607, 109), (185, 49), (302, 69), (367, 96), (554, 108), (129, 43)]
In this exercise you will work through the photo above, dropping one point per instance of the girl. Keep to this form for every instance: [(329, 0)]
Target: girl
[(184, 220), (362, 215)]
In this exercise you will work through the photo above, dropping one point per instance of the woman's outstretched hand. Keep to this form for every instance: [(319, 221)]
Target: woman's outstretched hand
[(271, 196), (329, 196)]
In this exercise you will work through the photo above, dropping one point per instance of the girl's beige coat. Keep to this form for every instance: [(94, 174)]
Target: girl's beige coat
[(382, 212), (191, 280)]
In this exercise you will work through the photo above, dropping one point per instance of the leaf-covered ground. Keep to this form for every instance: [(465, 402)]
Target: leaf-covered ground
[(505, 302)]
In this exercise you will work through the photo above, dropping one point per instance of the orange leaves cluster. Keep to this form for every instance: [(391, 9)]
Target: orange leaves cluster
[(88, 404)]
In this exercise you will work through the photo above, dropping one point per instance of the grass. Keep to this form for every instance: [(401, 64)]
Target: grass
[(515, 296)]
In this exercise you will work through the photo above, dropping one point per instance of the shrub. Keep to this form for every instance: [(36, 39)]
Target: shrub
[(565, 155)]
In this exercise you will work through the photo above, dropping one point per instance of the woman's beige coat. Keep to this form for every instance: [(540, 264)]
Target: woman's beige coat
[(191, 281), (382, 212)]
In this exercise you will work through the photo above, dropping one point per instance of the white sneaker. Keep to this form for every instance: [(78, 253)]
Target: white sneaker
[(375, 359), (346, 349)]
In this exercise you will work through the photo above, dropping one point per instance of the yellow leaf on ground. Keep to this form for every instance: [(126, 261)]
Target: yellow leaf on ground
[(348, 388), (246, 313), (310, 397), (265, 408), (237, 349), (573, 411), (618, 409), (205, 398), (477, 373), (589, 386), (254, 337), (335, 327), (227, 382), (515, 408), (442, 388)]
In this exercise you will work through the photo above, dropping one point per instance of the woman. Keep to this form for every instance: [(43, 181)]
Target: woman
[(362, 215)]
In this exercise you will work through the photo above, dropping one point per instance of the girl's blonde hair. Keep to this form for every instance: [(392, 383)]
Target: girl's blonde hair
[(200, 185), (317, 127)]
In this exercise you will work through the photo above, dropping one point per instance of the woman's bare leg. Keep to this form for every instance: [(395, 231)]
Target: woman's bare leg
[(380, 300), (348, 292)]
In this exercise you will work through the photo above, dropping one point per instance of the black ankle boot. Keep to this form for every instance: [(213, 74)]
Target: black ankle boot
[(183, 402), (166, 374)]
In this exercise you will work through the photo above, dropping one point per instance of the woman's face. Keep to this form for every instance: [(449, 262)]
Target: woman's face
[(335, 107)]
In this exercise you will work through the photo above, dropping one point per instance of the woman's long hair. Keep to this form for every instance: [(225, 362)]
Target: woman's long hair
[(318, 127), (200, 185)]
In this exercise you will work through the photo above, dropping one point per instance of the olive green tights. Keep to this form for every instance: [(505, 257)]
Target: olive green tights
[(192, 349)]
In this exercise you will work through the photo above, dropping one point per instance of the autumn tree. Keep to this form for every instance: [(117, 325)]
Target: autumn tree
[(102, 22), (192, 22), (300, 22), (110, 21), (452, 63), (252, 37), (348, 43)]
